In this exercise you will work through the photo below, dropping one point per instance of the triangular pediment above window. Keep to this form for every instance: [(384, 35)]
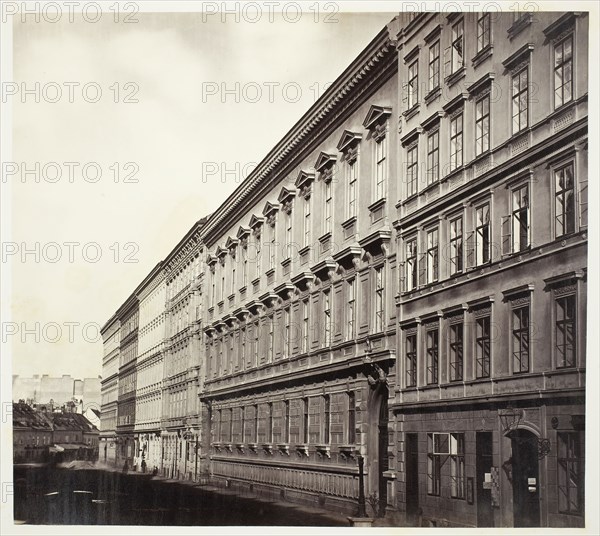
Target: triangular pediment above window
[(304, 178), (242, 232), (286, 195), (376, 115), (270, 209), (324, 161), (256, 221), (348, 139), (221, 252), (231, 242)]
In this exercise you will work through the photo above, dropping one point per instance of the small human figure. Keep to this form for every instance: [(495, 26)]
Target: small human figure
[(125, 467), (143, 466)]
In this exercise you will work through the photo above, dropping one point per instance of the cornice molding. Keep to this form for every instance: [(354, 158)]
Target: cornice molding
[(378, 55)]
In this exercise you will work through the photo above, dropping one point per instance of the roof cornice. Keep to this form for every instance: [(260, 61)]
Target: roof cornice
[(371, 59)]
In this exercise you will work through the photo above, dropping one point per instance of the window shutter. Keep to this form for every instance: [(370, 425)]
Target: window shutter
[(447, 61), (470, 244), (506, 235), (583, 202), (402, 276), (422, 269)]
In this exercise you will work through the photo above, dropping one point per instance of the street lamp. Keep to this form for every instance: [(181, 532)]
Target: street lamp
[(362, 512)]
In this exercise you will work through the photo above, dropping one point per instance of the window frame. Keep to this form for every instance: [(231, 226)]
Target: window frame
[(381, 164), (411, 358), (433, 255), (457, 37), (520, 333), (481, 260), (564, 460), (433, 156), (484, 28), (457, 141), (434, 65), (571, 295), (456, 244), (562, 65), (483, 124), (516, 99), (412, 85), (555, 170), (456, 348), (379, 296), (432, 352)]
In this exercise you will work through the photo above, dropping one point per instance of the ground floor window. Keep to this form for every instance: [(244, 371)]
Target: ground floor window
[(570, 472), (457, 465)]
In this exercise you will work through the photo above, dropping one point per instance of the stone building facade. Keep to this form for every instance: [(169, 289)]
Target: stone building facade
[(492, 243), (183, 367), (149, 369), (400, 285), (109, 391), (300, 324)]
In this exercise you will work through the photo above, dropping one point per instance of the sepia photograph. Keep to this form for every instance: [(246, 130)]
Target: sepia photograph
[(298, 266)]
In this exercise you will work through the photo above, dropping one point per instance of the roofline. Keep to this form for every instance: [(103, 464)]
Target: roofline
[(370, 55)]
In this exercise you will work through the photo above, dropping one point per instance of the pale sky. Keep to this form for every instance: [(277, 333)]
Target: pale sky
[(175, 65)]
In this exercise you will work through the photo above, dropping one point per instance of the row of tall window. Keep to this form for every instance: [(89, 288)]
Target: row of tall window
[(461, 250), (241, 348), (454, 61), (445, 343), (521, 99), (321, 420)]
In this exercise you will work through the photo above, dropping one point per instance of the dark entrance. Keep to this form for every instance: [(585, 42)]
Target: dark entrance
[(383, 451), (525, 476), (412, 478), (485, 515)]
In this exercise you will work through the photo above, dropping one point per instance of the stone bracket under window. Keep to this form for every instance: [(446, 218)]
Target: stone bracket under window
[(323, 451), (347, 451), (302, 450)]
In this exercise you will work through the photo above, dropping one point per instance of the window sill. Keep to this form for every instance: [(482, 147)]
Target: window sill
[(411, 112), (432, 95), (482, 55), (519, 25), (376, 205), (457, 75)]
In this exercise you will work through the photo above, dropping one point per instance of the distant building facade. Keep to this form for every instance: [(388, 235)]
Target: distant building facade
[(60, 390), (43, 436), (149, 369), (111, 340)]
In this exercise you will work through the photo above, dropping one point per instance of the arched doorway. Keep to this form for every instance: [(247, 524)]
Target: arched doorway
[(378, 444), (525, 478)]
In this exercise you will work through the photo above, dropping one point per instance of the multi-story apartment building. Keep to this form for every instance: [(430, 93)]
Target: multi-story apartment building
[(301, 319), (149, 369), (398, 287), (109, 391), (492, 245), (183, 371), (128, 315)]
